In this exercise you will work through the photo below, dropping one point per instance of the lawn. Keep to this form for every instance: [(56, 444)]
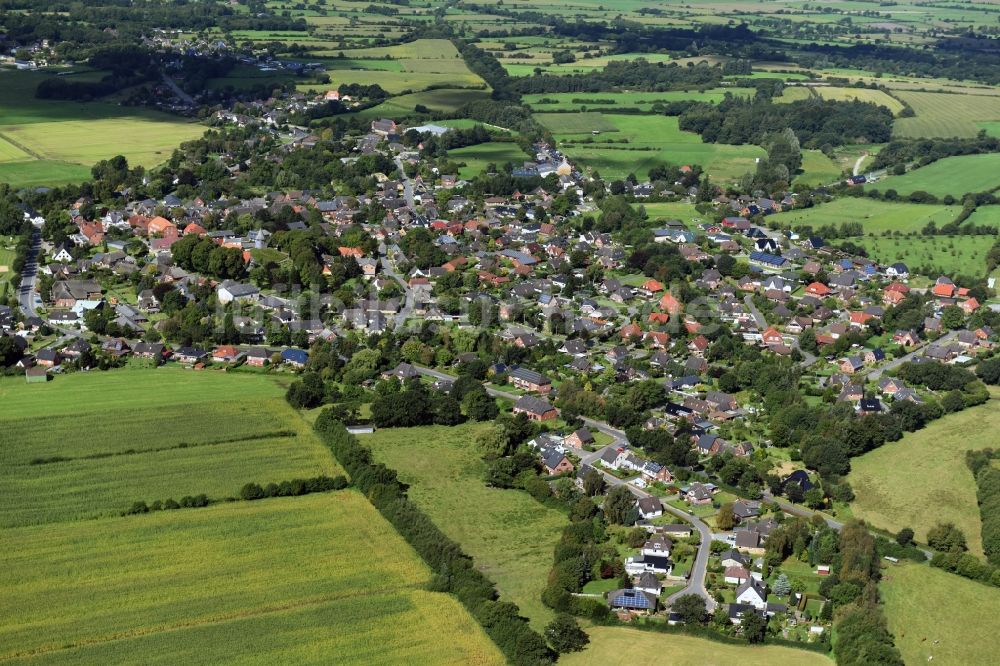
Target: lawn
[(952, 175), (922, 479), (945, 114), (932, 255), (673, 210), (642, 142), (614, 646), (510, 536), (477, 157), (273, 581), (875, 216), (940, 616)]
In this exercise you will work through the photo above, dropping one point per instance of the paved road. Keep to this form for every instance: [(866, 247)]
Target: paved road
[(877, 372), (407, 184), (177, 90), (696, 579), (26, 296), (407, 309), (807, 358)]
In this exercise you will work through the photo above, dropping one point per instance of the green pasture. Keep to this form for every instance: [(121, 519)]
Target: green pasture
[(948, 255), (945, 115), (510, 535), (639, 100), (477, 157), (952, 175), (651, 140), (876, 217)]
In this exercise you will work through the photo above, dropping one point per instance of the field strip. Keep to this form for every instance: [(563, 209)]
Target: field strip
[(206, 621), (17, 144), (277, 434)]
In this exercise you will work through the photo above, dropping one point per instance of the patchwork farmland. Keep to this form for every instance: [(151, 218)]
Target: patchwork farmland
[(179, 585)]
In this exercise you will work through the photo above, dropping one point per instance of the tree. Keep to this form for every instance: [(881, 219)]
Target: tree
[(782, 586), (754, 627), (479, 406), (618, 505), (565, 635), (989, 371), (593, 483), (947, 538), (725, 519), (904, 537), (690, 607)]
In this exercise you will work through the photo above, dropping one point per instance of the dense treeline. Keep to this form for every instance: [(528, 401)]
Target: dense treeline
[(863, 637), (455, 571), (293, 488), (617, 74), (925, 151), (988, 480), (816, 123)]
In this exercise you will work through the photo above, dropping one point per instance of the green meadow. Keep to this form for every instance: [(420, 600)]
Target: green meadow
[(510, 535), (876, 217), (476, 158), (952, 175), (634, 144)]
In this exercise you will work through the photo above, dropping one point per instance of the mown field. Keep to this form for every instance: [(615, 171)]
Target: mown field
[(478, 157), (620, 646), (953, 175), (673, 210), (922, 479), (48, 141), (510, 536), (875, 216), (950, 255), (938, 617), (642, 142), (316, 579), (944, 114), (862, 95)]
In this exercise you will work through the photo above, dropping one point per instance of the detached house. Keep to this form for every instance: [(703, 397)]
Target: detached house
[(529, 380), (536, 409)]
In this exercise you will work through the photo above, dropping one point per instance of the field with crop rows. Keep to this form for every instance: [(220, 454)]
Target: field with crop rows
[(315, 579), (945, 115), (862, 95)]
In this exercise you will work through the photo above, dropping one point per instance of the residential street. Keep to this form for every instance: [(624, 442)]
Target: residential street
[(696, 579), (758, 317), (26, 294), (876, 373)]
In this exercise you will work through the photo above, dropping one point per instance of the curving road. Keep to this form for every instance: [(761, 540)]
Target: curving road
[(696, 579)]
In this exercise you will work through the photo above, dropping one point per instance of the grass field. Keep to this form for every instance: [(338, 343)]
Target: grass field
[(443, 99), (952, 175), (43, 141), (945, 115), (951, 255), (650, 140), (940, 616), (875, 216), (922, 479), (315, 579), (509, 534), (152, 450), (674, 210), (620, 646), (477, 157), (818, 169), (124, 390)]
